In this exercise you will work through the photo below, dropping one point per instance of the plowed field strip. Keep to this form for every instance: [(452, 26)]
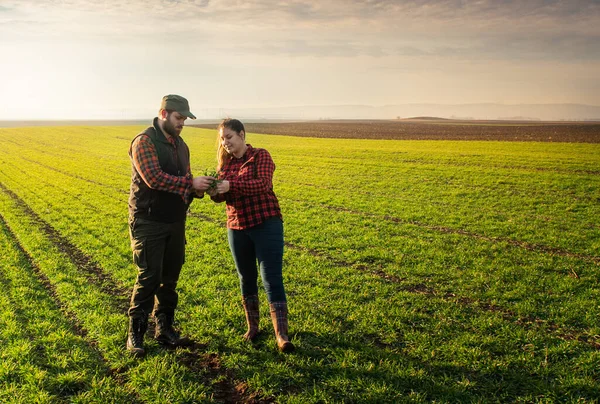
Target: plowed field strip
[(447, 230), (227, 391), (526, 322), (431, 130)]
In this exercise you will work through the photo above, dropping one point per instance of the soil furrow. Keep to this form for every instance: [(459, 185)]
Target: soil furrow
[(41, 358), (397, 196), (76, 326), (81, 198), (94, 273), (226, 390), (447, 230), (341, 168), (419, 288), (207, 218), (71, 174)]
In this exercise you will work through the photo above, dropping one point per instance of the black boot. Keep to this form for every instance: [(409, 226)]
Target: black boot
[(135, 337), (165, 334)]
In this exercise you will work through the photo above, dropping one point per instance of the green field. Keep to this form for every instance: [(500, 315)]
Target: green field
[(416, 271)]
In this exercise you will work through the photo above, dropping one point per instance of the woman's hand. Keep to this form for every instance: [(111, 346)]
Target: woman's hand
[(223, 187)]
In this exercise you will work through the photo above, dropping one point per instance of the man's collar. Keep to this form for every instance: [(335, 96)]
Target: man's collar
[(162, 135)]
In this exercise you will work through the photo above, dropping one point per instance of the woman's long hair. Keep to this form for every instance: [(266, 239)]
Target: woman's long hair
[(222, 155)]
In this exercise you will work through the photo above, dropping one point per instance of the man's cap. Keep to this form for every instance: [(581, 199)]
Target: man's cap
[(177, 103)]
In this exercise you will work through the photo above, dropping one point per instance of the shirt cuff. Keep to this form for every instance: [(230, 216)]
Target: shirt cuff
[(232, 187), (190, 192)]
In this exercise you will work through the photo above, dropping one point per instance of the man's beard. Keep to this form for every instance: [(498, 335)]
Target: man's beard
[(171, 129)]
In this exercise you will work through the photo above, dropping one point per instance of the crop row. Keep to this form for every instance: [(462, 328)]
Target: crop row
[(382, 306), (354, 249), (46, 355), (94, 301), (396, 250), (555, 210)]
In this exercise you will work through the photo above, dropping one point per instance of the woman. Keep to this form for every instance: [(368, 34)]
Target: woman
[(254, 225)]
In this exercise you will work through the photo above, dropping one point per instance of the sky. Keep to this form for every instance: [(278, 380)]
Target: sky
[(115, 59)]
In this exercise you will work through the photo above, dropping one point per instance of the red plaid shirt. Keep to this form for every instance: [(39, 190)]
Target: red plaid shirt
[(250, 200), (145, 160)]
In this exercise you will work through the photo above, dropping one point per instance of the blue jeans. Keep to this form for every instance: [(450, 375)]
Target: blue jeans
[(262, 243)]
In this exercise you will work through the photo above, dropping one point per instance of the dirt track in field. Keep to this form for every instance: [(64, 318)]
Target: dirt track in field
[(442, 129), (404, 284), (207, 367)]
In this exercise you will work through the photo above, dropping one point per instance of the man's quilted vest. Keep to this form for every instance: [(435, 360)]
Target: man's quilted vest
[(151, 204)]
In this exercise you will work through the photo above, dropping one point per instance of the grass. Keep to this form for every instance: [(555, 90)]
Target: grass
[(416, 271), (45, 355)]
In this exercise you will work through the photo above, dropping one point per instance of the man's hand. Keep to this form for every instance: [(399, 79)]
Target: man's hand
[(202, 183)]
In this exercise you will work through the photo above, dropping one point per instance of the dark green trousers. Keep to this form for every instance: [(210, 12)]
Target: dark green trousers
[(158, 253)]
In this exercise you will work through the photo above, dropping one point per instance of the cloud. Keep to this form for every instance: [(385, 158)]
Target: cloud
[(481, 30), (292, 51), (380, 15)]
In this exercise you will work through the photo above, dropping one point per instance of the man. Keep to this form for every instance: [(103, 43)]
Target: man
[(162, 188)]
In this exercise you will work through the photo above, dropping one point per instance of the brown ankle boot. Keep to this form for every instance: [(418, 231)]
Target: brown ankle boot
[(280, 324), (252, 317)]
